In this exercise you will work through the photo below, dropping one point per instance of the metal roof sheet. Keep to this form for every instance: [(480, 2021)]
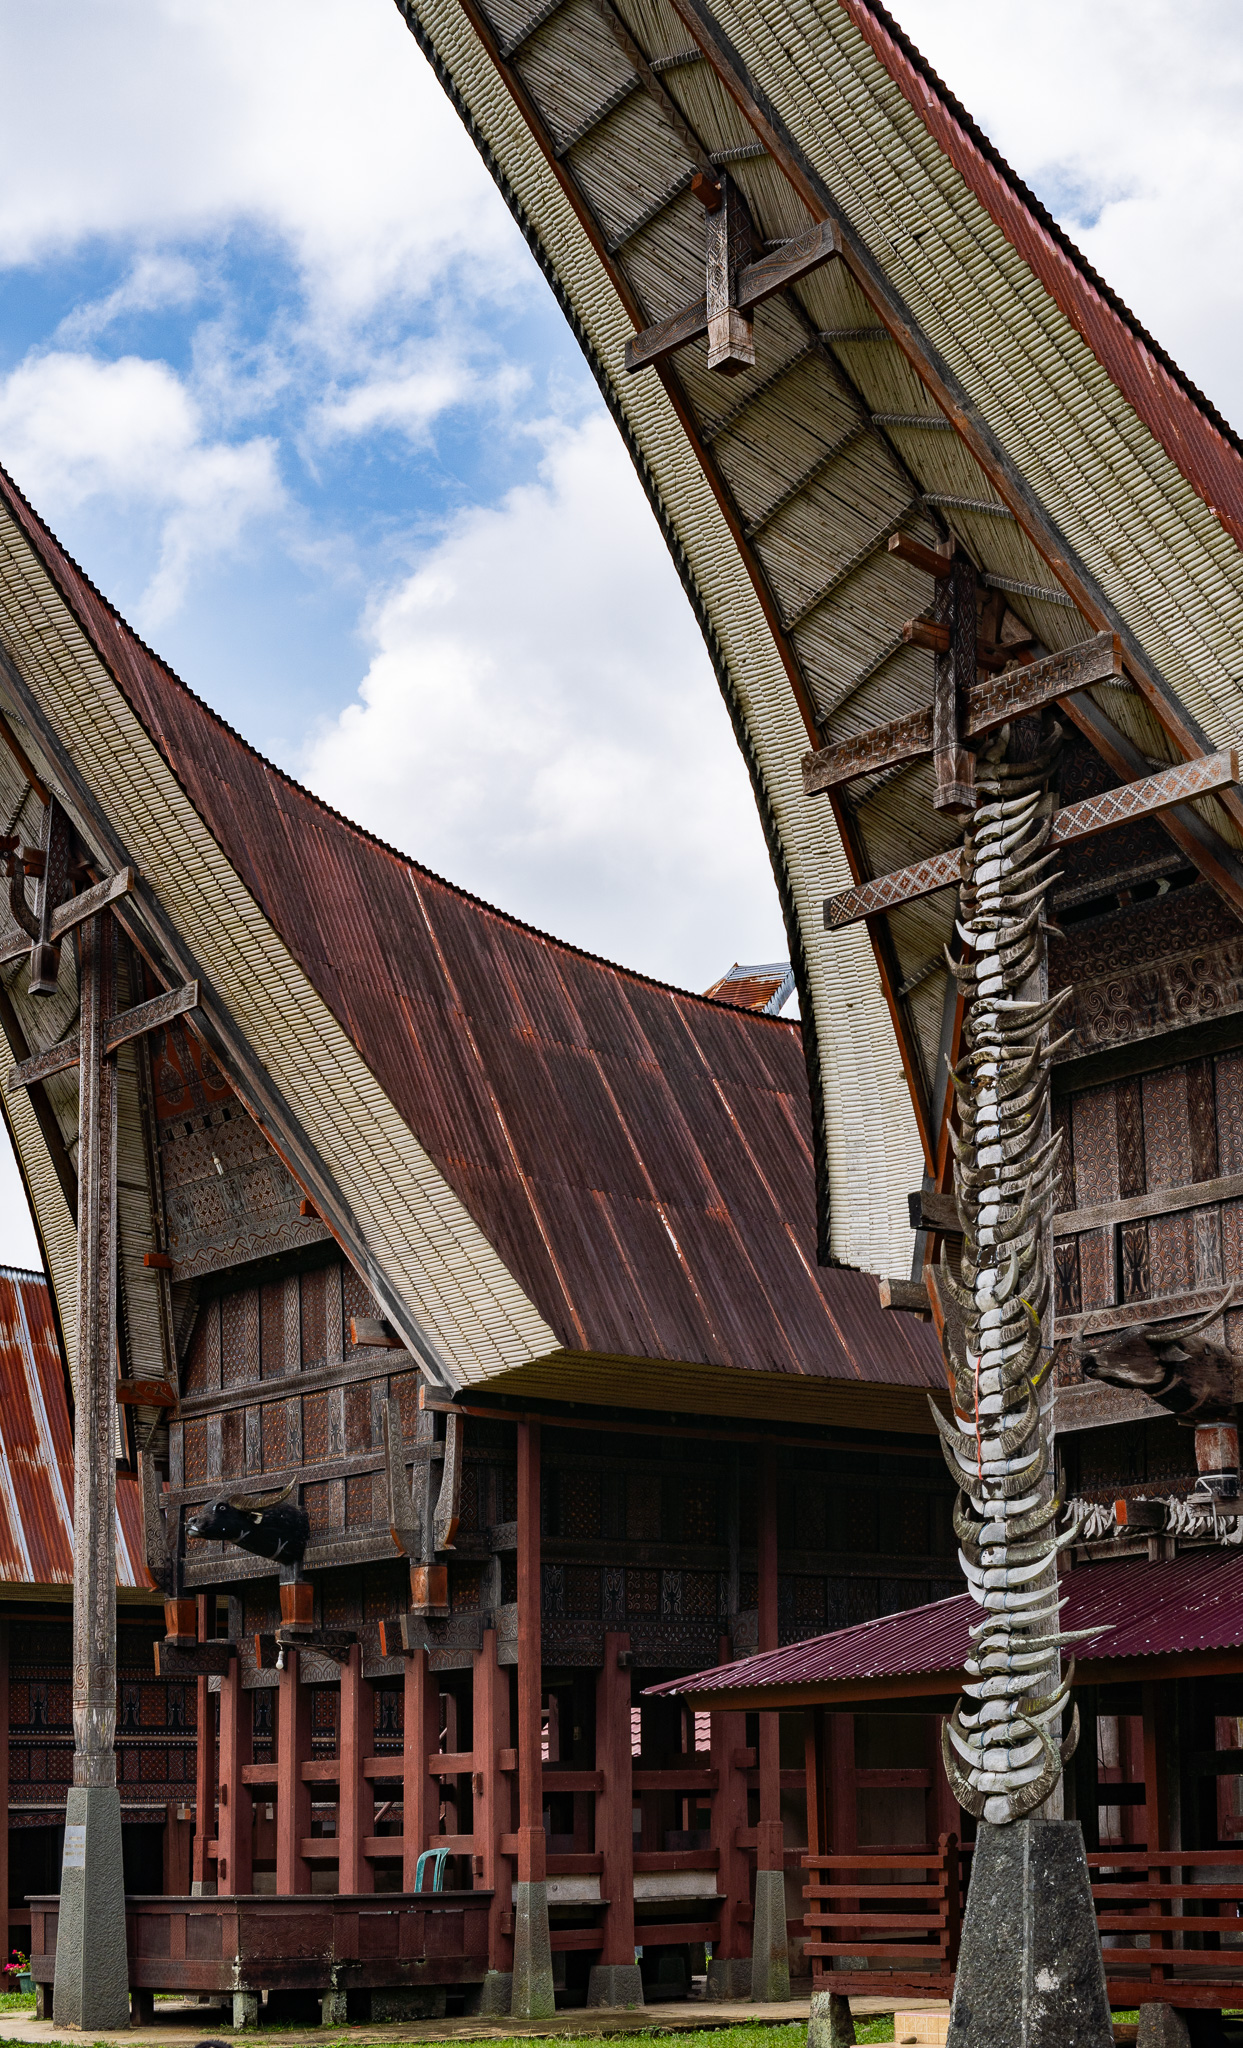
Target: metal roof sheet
[(1180, 1604), (640, 1158), (36, 1451)]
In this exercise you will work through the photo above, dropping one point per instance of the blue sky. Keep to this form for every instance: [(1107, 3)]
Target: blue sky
[(277, 367)]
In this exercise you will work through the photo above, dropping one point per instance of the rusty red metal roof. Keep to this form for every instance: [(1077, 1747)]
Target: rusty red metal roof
[(36, 1450), (640, 1157), (1175, 1606), (765, 988)]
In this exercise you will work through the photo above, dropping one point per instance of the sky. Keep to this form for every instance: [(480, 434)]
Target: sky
[(278, 369)]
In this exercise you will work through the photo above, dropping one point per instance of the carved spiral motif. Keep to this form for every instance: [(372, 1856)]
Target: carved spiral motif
[(1003, 1746)]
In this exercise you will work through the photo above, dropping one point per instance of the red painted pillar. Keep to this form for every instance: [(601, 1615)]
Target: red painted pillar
[(730, 1972), (770, 1853), (355, 1795), (531, 1845), (615, 1806), (293, 1794), (492, 1798), (203, 1873), (4, 1786), (233, 1866), (420, 1791)]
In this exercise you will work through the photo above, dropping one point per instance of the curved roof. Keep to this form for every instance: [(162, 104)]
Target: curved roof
[(958, 370), (531, 1154)]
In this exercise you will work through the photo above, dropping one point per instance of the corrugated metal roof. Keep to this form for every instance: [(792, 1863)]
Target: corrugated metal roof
[(36, 1451), (1180, 1604), (765, 988), (639, 1157)]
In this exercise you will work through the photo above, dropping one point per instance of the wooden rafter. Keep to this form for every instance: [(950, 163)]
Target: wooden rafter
[(1174, 786)]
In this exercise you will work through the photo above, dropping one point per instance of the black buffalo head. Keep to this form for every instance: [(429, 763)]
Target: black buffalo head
[(1172, 1363), (267, 1525)]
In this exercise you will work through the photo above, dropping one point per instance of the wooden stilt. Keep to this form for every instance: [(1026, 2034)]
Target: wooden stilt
[(4, 1780), (731, 1955), (420, 1791), (356, 1797), (293, 1794), (770, 1851), (203, 1873), (532, 1990), (234, 1851), (1157, 1761), (176, 1852), (615, 1830), (92, 1970), (492, 1797)]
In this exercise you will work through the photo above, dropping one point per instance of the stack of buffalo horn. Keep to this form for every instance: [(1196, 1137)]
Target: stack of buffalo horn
[(1003, 1746)]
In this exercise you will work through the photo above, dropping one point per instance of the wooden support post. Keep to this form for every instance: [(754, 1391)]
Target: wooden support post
[(203, 1874), (293, 1794), (731, 335), (4, 1783), (770, 1954), (492, 1804), (176, 1852), (92, 1969), (355, 1793), (533, 1989), (813, 1777), (843, 1791), (615, 1978), (953, 677), (1157, 1760), (420, 1791), (729, 1973), (234, 1851)]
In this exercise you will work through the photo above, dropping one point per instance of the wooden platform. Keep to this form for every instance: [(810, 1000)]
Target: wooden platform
[(308, 1942)]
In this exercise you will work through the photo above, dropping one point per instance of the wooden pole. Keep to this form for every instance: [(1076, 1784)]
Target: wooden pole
[(234, 1844), (614, 1979), (770, 1952), (729, 1974), (92, 1970), (203, 1878), (293, 1794), (420, 1791), (4, 1782), (533, 1990), (355, 1794), (492, 1803)]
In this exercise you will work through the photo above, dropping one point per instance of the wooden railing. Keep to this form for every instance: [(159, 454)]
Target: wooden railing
[(889, 1920), (894, 1912)]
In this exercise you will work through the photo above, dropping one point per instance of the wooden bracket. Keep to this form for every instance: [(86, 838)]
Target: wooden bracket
[(127, 1024), (753, 283), (147, 1394), (448, 1502), (403, 1521), (197, 1660)]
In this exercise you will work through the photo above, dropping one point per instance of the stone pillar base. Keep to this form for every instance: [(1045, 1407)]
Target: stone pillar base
[(770, 1951), (492, 1998), (333, 2008), (1030, 1973), (615, 1984), (729, 1977), (533, 1996), (831, 2024), (245, 2010), (92, 1968), (203, 1888)]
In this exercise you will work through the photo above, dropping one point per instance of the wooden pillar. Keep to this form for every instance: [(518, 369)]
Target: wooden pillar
[(615, 1804), (531, 1845), (420, 1791), (233, 1863), (176, 1852), (203, 1872), (92, 1969), (1157, 1705), (293, 1794), (770, 1854), (492, 1798), (533, 1996), (355, 1794), (4, 1783), (729, 1820), (813, 1777)]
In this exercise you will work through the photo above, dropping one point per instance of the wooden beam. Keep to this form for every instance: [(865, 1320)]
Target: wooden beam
[(988, 705), (757, 282), (931, 1211), (66, 915), (954, 674), (1150, 796), (909, 1295), (1196, 1194), (127, 1024), (1123, 1315), (933, 561)]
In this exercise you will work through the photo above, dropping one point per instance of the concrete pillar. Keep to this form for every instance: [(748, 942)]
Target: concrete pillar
[(533, 1996)]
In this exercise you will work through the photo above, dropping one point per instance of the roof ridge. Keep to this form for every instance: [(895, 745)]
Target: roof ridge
[(1052, 226), (361, 831)]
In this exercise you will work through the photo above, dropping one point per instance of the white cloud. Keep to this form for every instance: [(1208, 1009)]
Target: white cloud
[(74, 429), (156, 281), (539, 723), (315, 120), (1125, 116)]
